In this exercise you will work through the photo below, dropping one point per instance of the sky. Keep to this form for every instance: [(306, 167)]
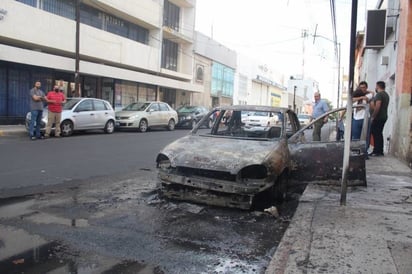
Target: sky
[(271, 31)]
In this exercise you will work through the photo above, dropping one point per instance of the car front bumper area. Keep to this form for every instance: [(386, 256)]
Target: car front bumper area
[(126, 123), (211, 191)]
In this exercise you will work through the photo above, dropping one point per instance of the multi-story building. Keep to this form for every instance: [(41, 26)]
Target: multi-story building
[(385, 55), (127, 50), (215, 67), (257, 84)]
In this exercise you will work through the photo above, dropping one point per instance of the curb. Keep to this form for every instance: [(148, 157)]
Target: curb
[(5, 132)]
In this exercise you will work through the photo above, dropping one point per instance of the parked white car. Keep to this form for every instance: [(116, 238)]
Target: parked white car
[(260, 119), (81, 114), (304, 119), (144, 115)]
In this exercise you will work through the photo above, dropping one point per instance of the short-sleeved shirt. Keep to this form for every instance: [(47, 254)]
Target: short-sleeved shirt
[(359, 113), (58, 97), (320, 107), (36, 105), (383, 111)]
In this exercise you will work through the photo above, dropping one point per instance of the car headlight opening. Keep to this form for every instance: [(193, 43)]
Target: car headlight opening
[(163, 162), (254, 172)]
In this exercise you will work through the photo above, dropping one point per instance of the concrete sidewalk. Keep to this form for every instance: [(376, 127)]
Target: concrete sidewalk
[(371, 234), (13, 130)]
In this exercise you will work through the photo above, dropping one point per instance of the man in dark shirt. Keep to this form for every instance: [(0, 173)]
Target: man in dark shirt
[(379, 117)]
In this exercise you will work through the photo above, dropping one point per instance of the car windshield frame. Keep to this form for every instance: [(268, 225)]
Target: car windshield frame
[(137, 106), (71, 103), (229, 123)]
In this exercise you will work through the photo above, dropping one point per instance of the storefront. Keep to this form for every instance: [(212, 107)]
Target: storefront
[(16, 80)]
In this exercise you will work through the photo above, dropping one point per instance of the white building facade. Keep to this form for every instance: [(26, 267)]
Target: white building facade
[(128, 50), (257, 84)]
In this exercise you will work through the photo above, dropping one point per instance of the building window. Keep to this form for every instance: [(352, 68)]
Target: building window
[(169, 55), (199, 73), (65, 8), (222, 80), (93, 17), (32, 3), (113, 24), (171, 15)]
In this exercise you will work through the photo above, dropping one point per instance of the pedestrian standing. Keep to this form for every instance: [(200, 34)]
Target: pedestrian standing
[(55, 100), (379, 117), (319, 108), (360, 96), (36, 109)]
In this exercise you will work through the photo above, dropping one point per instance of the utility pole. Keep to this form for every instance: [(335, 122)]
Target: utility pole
[(77, 54), (346, 151), (337, 54), (304, 35), (337, 103), (294, 98)]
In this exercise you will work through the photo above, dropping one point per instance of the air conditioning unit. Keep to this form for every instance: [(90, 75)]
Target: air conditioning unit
[(384, 60)]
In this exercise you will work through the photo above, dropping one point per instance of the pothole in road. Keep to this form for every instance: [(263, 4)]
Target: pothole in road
[(21, 252)]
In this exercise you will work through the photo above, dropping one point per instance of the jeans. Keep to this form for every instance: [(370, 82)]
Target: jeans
[(36, 116), (376, 131), (357, 129)]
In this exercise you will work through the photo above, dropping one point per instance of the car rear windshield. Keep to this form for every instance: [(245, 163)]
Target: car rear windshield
[(137, 106), (186, 109)]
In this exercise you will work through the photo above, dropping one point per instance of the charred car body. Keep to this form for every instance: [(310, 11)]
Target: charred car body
[(231, 163)]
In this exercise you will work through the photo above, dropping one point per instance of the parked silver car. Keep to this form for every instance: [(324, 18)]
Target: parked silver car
[(81, 114), (144, 115)]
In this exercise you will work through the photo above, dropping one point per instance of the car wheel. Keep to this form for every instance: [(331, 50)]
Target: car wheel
[(280, 187), (66, 128), (109, 127), (193, 124), (171, 125), (143, 125), (210, 123)]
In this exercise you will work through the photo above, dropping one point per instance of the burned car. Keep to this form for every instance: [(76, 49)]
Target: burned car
[(233, 163)]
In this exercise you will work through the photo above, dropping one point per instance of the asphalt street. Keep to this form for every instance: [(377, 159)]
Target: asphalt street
[(27, 165), (89, 204)]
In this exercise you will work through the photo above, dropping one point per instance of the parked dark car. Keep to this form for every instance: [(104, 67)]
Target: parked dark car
[(189, 116), (234, 163)]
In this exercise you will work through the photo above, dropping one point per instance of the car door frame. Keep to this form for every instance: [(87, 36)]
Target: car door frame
[(153, 117), (84, 119), (322, 161)]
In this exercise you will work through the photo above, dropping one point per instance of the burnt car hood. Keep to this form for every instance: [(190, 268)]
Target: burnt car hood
[(223, 154)]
